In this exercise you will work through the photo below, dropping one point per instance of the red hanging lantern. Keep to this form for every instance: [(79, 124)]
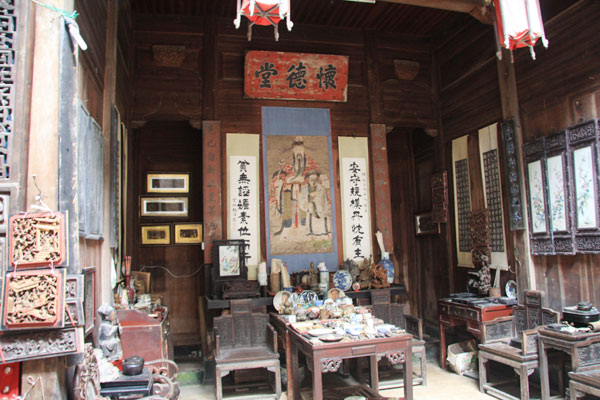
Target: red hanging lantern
[(263, 12), (519, 24)]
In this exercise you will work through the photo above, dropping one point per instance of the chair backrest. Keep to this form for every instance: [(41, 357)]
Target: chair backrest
[(531, 313), (241, 328)]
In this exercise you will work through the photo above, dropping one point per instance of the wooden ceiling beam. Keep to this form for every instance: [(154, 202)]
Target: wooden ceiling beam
[(477, 8)]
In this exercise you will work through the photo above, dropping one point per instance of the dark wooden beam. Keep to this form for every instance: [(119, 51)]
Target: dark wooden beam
[(477, 8)]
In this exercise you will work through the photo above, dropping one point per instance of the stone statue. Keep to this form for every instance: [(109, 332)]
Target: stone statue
[(108, 339)]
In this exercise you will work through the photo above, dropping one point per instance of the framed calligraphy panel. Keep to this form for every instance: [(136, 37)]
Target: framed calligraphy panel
[(462, 201), (295, 76), (355, 193)]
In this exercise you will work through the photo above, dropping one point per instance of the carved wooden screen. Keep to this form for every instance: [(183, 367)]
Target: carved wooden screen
[(512, 163), (559, 207), (535, 174), (583, 160)]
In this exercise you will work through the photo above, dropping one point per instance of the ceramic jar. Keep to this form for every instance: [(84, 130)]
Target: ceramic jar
[(388, 265)]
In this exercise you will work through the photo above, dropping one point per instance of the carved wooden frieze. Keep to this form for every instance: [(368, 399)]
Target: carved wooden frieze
[(33, 299), (37, 239), (588, 355), (540, 235), (480, 235), (395, 357), (48, 343), (74, 287), (439, 195), (585, 200), (87, 376), (512, 162), (168, 56), (74, 315)]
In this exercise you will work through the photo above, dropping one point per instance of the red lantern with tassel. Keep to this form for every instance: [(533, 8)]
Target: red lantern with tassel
[(519, 24), (263, 12)]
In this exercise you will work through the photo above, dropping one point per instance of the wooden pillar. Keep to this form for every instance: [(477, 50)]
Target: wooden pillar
[(108, 100), (211, 179), (510, 110)]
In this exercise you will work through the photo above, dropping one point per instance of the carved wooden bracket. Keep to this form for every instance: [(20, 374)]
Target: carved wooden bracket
[(331, 364), (168, 56), (395, 357)]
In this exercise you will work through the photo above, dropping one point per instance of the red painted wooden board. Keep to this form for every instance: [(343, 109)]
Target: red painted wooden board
[(9, 380), (295, 76)]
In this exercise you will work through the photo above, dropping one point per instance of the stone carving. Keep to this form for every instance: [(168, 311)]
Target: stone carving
[(108, 339), (50, 343), (33, 299), (168, 56)]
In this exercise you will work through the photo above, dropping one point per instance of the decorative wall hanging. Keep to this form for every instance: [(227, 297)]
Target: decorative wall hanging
[(462, 201), (243, 194), (353, 153), (89, 298), (168, 183), (34, 299), (519, 24), (155, 234), (35, 345), (263, 12), (295, 76), (299, 211), (540, 236), (492, 193), (480, 235), (439, 197), (188, 233), (512, 163), (424, 224), (73, 314), (163, 206), (583, 156), (37, 240), (559, 207), (229, 258)]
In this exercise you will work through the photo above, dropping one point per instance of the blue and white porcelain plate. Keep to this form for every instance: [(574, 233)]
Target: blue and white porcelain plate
[(342, 280)]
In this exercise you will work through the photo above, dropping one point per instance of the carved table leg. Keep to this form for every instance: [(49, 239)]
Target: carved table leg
[(483, 364), (524, 380), (374, 372), (288, 364), (544, 381), (442, 346), (317, 378), (294, 376), (408, 373)]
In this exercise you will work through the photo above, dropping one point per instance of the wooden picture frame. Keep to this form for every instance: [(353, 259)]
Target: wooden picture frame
[(156, 234), (188, 233), (164, 206), (229, 258), (89, 298), (168, 183), (424, 224)]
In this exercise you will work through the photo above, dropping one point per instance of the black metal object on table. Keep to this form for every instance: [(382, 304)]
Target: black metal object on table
[(581, 315), (128, 386)]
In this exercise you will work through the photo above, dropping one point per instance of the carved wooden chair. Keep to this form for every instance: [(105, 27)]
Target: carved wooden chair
[(393, 313), (512, 341), (245, 340)]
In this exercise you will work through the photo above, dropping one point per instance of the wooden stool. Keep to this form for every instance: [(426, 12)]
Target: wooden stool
[(582, 383)]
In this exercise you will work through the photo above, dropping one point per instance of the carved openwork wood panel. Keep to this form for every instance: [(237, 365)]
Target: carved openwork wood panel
[(480, 235), (540, 236), (8, 47), (493, 195), (512, 163), (34, 299), (37, 240), (439, 196), (34, 345), (583, 160)]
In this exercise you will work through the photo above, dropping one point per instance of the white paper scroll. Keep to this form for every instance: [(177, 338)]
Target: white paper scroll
[(242, 195)]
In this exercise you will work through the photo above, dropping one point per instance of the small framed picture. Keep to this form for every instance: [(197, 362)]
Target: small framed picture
[(156, 234), (424, 224), (168, 183), (163, 206), (89, 298), (229, 258), (188, 233)]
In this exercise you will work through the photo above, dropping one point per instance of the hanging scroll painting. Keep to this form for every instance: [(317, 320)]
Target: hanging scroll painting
[(243, 194), (299, 207), (354, 188), (462, 201), (490, 170)]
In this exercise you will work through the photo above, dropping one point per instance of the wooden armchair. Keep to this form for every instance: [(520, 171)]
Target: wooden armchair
[(245, 340), (393, 313), (512, 341)]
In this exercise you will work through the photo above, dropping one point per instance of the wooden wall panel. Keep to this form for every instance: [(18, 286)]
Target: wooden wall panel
[(559, 90)]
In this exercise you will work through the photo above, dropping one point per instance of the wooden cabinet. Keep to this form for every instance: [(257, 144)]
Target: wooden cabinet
[(145, 336)]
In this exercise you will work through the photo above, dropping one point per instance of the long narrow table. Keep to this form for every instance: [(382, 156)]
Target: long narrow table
[(327, 357), (452, 313)]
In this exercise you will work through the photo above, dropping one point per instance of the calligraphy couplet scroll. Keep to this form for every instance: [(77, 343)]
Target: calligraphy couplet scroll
[(211, 153), (295, 76)]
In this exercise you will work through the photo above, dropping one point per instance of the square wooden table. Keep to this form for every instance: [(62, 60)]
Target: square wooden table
[(583, 349), (327, 357)]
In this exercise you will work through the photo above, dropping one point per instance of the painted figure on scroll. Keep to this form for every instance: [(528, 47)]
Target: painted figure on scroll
[(299, 198)]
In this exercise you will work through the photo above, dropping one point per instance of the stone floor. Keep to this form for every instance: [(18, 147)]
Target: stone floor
[(441, 384)]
